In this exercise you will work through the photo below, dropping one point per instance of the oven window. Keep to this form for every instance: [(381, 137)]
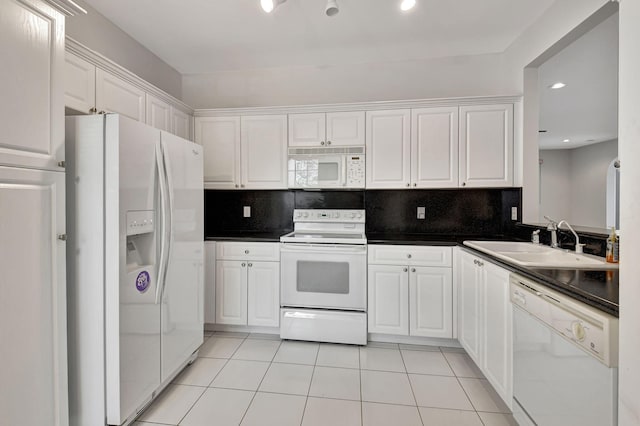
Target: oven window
[(323, 277), (327, 171)]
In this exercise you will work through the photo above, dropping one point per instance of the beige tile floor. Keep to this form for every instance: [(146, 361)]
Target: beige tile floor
[(246, 379)]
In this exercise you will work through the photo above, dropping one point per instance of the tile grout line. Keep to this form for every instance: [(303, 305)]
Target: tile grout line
[(306, 401), (411, 386), (261, 380), (463, 389)]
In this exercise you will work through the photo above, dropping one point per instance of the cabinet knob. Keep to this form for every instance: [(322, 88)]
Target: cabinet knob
[(405, 269), (236, 185), (244, 264), (408, 185), (93, 110), (62, 237), (322, 143), (328, 142), (102, 112), (242, 186), (408, 256), (246, 252), (415, 184), (464, 183), (413, 269), (250, 265)]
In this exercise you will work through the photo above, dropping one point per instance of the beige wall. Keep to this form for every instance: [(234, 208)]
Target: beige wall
[(99, 34)]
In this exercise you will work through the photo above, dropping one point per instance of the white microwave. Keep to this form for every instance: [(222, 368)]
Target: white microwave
[(326, 168)]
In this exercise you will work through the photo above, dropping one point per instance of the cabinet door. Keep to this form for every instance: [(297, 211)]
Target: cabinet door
[(486, 145), (31, 85), (33, 301), (79, 84), (469, 289), (307, 129), (345, 128), (181, 123), (209, 282), (388, 149), (434, 147), (158, 113), (263, 293), (220, 139), (113, 94), (388, 294), (431, 302), (497, 346), (264, 152), (231, 292)]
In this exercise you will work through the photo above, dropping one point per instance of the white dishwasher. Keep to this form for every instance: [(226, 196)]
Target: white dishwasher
[(565, 358)]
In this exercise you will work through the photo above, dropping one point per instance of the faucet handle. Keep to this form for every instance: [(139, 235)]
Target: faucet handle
[(553, 225), (535, 237)]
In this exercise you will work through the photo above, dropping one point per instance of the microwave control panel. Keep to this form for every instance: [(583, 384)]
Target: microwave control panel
[(355, 171)]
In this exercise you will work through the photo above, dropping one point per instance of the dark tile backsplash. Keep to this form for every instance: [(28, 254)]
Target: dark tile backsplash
[(477, 212)]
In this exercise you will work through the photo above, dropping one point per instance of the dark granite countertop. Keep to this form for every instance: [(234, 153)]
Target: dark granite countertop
[(423, 240), (262, 237)]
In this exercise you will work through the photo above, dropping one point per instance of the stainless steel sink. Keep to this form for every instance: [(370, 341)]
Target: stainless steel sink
[(536, 255)]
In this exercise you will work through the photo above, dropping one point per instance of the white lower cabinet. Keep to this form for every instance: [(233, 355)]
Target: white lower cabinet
[(410, 297), (247, 291), (485, 320)]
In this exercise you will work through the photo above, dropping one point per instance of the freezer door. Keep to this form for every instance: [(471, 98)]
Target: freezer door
[(132, 240), (182, 310)]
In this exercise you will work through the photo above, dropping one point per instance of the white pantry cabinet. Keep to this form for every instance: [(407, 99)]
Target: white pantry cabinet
[(486, 145), (485, 319), (248, 152), (410, 291), (32, 79), (327, 129), (247, 290)]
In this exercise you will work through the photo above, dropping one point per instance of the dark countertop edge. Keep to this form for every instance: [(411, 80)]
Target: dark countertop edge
[(258, 237), (431, 240), (596, 302)]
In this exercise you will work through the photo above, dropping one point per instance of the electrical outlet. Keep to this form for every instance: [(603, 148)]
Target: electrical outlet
[(421, 212), (246, 211), (514, 213)]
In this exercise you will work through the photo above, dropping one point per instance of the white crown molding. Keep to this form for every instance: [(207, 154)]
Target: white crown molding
[(67, 7), (359, 106), (108, 65)]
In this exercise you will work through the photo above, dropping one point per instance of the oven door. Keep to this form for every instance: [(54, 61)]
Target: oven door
[(330, 276), (322, 171)]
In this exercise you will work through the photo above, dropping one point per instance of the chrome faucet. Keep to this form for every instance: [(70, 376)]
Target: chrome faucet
[(553, 227)]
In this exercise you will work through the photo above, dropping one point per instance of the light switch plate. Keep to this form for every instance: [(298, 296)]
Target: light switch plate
[(514, 213), (246, 211), (421, 213)]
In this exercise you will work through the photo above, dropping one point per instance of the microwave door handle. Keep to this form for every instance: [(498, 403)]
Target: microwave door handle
[(344, 171)]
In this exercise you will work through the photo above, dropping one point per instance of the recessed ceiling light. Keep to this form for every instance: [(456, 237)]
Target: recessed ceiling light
[(407, 5), (558, 85), (566, 140)]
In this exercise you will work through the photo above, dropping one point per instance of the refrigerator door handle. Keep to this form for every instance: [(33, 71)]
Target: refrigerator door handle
[(163, 224), (167, 213)]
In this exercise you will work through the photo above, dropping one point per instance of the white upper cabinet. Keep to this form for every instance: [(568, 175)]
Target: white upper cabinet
[(331, 129), (113, 94), (220, 139), (264, 152), (388, 148), (32, 107), (158, 113), (181, 123), (434, 147), (80, 84), (486, 145)]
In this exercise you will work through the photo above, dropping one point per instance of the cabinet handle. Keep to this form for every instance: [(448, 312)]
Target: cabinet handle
[(475, 262), (405, 270), (408, 256), (246, 252), (413, 269), (322, 143), (243, 264), (93, 110)]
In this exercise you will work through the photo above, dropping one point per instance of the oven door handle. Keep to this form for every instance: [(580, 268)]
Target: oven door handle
[(323, 248)]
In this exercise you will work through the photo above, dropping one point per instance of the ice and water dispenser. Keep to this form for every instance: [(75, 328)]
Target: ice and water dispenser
[(141, 250)]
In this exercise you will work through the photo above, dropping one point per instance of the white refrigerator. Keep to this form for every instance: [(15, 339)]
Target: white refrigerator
[(135, 262)]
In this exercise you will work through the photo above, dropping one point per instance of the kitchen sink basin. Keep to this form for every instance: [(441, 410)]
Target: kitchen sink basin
[(539, 256)]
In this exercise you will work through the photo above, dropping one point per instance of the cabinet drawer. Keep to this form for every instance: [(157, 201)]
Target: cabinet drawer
[(410, 255), (248, 251)]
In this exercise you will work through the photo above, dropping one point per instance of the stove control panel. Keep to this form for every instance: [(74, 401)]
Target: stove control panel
[(329, 215)]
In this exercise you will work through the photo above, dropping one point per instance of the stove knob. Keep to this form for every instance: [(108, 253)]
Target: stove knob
[(578, 331), (353, 215), (359, 215), (336, 215), (305, 214), (298, 215)]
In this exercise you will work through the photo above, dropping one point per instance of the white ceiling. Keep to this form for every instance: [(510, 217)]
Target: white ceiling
[(205, 36), (586, 110)]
